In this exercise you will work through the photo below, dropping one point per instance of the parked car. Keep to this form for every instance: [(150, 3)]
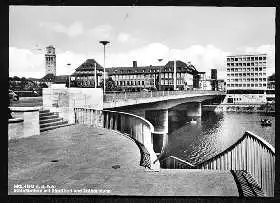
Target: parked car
[(13, 95)]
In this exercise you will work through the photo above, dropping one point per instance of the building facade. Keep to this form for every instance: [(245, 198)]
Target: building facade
[(246, 79), (84, 75), (151, 77), (50, 60)]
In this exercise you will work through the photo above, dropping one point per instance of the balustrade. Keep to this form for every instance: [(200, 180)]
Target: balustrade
[(134, 126), (250, 153)]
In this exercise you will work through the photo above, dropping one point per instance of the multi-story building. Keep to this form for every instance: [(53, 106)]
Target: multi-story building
[(84, 75), (50, 59), (136, 77), (246, 79)]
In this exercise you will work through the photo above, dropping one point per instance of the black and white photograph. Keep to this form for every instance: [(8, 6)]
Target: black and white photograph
[(141, 101)]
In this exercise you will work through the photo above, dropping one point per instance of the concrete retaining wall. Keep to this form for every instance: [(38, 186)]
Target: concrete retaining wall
[(25, 122), (64, 100)]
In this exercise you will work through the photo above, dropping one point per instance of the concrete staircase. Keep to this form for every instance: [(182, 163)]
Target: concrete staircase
[(50, 120)]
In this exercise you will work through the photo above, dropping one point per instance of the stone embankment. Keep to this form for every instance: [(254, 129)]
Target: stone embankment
[(262, 108)]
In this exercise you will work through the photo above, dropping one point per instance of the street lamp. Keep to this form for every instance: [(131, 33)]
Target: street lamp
[(159, 76), (104, 44), (69, 64)]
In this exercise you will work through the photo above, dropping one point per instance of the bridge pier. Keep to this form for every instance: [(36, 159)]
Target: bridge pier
[(159, 119), (194, 109)]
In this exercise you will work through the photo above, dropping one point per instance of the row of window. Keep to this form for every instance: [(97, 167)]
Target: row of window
[(137, 83), (246, 69), (246, 85), (130, 83), (246, 79), (245, 74), (248, 58), (163, 75), (148, 70), (50, 58), (247, 64)]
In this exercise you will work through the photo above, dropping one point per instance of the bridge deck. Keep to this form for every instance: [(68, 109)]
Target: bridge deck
[(81, 157)]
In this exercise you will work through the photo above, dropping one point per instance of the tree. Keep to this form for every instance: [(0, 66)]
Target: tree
[(110, 84), (272, 77)]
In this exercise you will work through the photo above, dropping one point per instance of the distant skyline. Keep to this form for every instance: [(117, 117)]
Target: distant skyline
[(202, 35)]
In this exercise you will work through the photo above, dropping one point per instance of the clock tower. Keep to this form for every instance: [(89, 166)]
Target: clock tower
[(50, 59)]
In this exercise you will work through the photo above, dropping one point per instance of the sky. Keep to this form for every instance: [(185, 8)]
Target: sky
[(203, 36)]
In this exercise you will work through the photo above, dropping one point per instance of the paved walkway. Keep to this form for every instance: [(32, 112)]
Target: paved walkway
[(84, 160)]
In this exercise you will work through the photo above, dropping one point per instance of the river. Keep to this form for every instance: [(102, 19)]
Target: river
[(213, 132)]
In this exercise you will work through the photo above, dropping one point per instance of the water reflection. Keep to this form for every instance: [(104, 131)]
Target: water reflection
[(213, 133)]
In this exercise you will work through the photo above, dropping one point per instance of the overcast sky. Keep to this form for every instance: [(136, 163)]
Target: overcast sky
[(201, 35)]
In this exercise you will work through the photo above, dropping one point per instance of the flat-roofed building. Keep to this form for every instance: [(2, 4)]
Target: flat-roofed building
[(246, 79)]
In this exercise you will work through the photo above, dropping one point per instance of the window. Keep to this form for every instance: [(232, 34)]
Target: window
[(256, 85), (228, 69), (260, 69), (252, 85), (235, 85), (248, 69), (244, 85), (240, 74), (235, 59), (228, 85), (260, 85), (252, 74), (264, 79), (142, 82), (260, 58), (228, 75), (256, 74), (248, 64), (260, 74), (236, 69), (244, 69), (264, 85), (228, 59), (260, 79), (236, 74), (248, 85)]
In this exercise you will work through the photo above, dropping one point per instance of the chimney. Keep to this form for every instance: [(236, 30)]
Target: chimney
[(134, 64)]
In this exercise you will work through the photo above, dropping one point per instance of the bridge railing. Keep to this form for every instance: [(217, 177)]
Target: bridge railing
[(250, 153), (136, 95), (137, 128)]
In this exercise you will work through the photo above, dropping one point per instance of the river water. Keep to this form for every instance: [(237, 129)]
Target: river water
[(213, 132)]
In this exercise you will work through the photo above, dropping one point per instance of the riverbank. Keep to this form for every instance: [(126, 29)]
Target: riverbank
[(260, 108)]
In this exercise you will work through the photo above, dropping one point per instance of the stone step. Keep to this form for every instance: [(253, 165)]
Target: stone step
[(43, 121), (47, 114), (46, 117), (44, 111), (54, 127), (56, 123)]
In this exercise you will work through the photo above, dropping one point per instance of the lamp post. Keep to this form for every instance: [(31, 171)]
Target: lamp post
[(159, 76), (104, 44), (69, 64)]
